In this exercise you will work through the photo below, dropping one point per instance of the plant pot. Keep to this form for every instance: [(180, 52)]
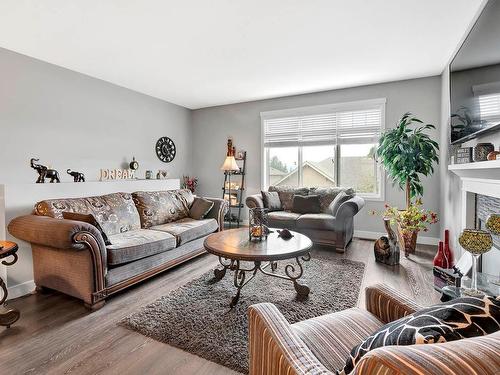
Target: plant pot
[(407, 240)]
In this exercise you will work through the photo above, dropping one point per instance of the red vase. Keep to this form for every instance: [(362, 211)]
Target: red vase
[(440, 259)]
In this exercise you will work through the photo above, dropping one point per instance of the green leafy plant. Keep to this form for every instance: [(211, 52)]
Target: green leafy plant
[(407, 152)]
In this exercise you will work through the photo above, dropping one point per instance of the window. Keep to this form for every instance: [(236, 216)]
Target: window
[(324, 146)]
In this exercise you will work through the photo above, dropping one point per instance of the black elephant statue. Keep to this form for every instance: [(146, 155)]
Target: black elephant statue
[(44, 172), (77, 176)]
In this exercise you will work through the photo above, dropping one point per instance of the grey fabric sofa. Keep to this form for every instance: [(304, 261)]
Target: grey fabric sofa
[(331, 227), (147, 233)]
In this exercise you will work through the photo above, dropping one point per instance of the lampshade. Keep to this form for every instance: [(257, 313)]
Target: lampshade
[(230, 164), (476, 241), (493, 224)]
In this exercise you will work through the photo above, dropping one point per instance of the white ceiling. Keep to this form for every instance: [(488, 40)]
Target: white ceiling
[(200, 53)]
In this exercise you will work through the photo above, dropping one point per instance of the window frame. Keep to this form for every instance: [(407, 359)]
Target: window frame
[(316, 110)]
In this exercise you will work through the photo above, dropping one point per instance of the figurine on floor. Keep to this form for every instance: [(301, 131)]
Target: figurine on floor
[(386, 248), (77, 176), (44, 172)]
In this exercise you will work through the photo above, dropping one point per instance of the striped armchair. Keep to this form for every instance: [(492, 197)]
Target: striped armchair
[(321, 345)]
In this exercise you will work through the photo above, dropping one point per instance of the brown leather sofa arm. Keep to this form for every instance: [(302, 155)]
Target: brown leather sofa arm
[(218, 211), (274, 348), (388, 304), (254, 201), (478, 356), (60, 234), (47, 231)]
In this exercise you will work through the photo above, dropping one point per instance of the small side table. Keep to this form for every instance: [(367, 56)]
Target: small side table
[(488, 284), (8, 315)]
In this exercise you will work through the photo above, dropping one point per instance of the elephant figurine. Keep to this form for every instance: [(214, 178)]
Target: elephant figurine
[(44, 172), (77, 176)]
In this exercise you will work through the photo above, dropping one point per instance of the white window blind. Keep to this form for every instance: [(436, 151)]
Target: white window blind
[(335, 127), (489, 107)]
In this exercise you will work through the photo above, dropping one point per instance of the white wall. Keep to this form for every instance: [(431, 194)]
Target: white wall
[(212, 126), (70, 120)]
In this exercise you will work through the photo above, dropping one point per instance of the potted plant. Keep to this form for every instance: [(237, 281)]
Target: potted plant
[(407, 152), (189, 183)]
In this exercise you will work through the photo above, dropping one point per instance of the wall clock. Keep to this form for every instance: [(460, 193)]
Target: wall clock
[(165, 149)]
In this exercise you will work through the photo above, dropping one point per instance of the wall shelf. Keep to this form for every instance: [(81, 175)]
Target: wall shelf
[(482, 169)]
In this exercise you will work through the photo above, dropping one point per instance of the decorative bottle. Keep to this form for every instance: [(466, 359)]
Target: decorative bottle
[(440, 259)]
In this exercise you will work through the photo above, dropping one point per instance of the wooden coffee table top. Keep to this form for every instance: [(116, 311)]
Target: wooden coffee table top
[(235, 244)]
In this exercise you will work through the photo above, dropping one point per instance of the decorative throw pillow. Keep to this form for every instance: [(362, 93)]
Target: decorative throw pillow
[(308, 204), (286, 194), (454, 320), (200, 208), (271, 200), (339, 199), (87, 218)]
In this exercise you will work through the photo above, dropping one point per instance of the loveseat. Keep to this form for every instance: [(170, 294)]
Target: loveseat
[(115, 240), (321, 345), (331, 224)]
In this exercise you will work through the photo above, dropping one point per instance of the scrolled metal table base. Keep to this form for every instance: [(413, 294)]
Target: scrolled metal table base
[(8, 315), (293, 272)]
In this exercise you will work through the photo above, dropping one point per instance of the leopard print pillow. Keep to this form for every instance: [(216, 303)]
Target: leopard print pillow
[(454, 320)]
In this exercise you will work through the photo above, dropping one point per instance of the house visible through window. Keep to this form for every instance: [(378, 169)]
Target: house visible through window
[(324, 146)]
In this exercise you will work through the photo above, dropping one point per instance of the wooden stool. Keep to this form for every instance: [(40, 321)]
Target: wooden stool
[(8, 315)]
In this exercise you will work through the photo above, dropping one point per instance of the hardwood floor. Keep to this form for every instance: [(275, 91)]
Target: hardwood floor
[(57, 335)]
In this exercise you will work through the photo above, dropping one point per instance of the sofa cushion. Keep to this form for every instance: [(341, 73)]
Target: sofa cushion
[(87, 218), (200, 208), (286, 194), (457, 319), (188, 229), (271, 200), (116, 213), (328, 194), (330, 337), (136, 244), (316, 221), (306, 204), (337, 202), (160, 207), (282, 219)]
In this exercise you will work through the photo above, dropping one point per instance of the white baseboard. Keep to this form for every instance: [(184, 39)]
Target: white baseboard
[(375, 235), (21, 289)]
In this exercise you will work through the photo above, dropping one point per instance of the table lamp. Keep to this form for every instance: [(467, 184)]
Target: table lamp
[(228, 167)]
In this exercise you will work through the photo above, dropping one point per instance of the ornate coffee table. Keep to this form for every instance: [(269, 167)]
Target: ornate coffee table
[(234, 247)]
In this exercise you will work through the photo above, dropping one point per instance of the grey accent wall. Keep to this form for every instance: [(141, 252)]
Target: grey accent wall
[(70, 120), (212, 126)]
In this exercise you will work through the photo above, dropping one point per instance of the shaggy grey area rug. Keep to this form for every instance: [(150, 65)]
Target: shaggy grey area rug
[(197, 317)]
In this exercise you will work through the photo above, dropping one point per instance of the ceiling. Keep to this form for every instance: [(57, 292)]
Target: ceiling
[(199, 53)]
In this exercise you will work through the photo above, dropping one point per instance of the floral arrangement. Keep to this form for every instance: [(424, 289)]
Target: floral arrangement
[(189, 183), (412, 219)]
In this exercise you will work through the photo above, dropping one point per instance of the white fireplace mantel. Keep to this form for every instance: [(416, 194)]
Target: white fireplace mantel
[(483, 169), (478, 178)]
